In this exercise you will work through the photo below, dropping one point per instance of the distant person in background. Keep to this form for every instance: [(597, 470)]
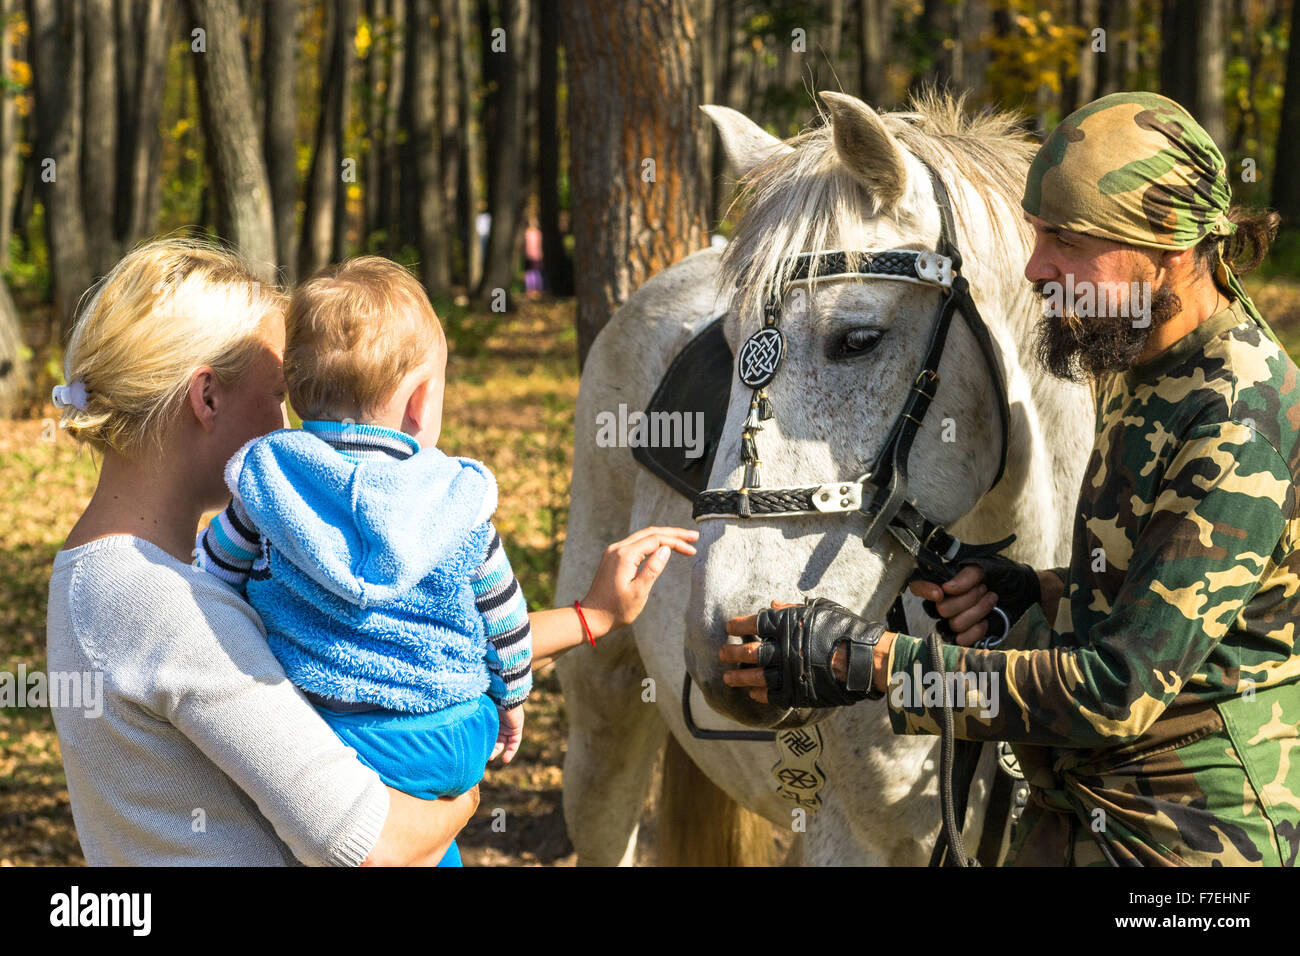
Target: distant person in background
[(533, 259), (483, 226)]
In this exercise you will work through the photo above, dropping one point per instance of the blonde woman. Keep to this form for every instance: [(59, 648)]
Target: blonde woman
[(204, 752)]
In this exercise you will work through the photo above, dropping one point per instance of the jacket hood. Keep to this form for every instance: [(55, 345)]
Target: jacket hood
[(366, 530)]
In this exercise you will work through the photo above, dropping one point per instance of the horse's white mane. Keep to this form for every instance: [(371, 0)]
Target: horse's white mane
[(794, 199)]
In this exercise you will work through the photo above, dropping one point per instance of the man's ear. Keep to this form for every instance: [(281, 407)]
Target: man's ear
[(202, 397), (1179, 262)]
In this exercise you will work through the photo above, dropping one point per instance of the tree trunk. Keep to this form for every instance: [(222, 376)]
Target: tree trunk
[(933, 27), (99, 146), (1286, 185), (242, 192), (508, 143), (1192, 60), (145, 31), (635, 177), (13, 370), (390, 174), (468, 186), (873, 40), (345, 57), (56, 59), (8, 141), (279, 70), (380, 38), (557, 267), (449, 123), (319, 215), (423, 147)]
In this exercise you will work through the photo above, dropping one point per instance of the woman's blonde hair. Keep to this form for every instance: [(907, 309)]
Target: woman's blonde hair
[(168, 308)]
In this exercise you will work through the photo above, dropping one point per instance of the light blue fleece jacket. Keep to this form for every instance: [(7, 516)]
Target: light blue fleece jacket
[(364, 579)]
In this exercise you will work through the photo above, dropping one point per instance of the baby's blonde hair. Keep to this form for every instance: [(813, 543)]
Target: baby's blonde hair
[(168, 308), (353, 333)]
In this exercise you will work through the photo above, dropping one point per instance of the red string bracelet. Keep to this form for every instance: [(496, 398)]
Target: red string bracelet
[(583, 618)]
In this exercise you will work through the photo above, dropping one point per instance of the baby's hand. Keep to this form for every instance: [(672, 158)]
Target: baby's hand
[(509, 734), (627, 572)]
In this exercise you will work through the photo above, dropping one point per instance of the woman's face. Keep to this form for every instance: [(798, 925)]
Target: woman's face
[(255, 405)]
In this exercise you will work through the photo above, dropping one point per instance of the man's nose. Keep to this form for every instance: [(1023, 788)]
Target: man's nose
[(1039, 268)]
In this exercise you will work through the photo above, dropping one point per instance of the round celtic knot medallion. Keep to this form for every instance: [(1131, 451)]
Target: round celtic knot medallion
[(760, 356)]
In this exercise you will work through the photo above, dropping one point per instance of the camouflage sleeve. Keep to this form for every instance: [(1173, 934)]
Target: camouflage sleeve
[(1219, 513)]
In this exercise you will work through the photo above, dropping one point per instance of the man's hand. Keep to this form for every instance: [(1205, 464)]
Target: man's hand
[(805, 655), (965, 602)]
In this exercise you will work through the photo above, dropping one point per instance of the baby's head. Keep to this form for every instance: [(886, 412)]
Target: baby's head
[(363, 343)]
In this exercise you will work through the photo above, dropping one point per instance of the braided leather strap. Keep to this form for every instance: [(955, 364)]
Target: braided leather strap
[(761, 502), (796, 648)]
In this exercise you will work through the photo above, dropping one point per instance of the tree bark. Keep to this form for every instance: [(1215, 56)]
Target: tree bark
[(470, 163), (508, 144), (280, 119), (632, 99), (318, 214), (873, 39), (13, 370), (1286, 185), (99, 146), (1192, 60), (344, 58), (56, 59), (145, 31), (242, 191), (423, 153), (8, 141), (557, 267), (449, 123)]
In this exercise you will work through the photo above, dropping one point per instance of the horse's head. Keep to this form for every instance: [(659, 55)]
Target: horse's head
[(852, 350)]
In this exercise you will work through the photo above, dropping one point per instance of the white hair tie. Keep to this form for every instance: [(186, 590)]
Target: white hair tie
[(73, 394)]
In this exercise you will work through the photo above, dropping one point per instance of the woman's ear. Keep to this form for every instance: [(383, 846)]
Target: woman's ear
[(202, 397)]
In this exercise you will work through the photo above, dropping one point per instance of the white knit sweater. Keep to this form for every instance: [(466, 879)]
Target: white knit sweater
[(205, 753)]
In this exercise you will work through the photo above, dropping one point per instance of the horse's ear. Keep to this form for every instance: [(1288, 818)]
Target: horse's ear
[(745, 143), (869, 151)]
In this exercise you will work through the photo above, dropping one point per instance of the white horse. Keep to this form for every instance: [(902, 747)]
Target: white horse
[(858, 182)]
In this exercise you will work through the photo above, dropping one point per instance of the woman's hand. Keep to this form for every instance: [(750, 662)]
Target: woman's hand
[(627, 572)]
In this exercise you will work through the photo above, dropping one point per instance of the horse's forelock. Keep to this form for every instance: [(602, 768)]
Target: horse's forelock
[(794, 201)]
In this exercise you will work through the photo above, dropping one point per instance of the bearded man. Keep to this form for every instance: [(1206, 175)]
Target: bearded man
[(1156, 717)]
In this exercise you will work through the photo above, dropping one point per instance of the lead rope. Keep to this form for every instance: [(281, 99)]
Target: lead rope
[(950, 847)]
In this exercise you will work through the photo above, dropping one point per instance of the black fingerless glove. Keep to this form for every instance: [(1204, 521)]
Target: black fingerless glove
[(796, 648), (1015, 584)]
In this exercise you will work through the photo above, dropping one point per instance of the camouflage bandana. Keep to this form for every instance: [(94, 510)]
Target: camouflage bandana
[(1136, 168)]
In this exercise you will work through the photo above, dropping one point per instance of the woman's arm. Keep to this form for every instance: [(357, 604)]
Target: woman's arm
[(627, 572), (418, 832)]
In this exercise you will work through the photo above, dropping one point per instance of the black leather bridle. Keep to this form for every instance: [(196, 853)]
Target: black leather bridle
[(881, 494)]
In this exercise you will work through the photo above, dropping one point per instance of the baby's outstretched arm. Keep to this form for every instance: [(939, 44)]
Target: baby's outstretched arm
[(500, 600), (627, 572)]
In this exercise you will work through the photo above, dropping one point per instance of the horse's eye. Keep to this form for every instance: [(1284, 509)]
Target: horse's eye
[(858, 341)]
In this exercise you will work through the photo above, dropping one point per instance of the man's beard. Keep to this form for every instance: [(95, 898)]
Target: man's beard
[(1075, 349)]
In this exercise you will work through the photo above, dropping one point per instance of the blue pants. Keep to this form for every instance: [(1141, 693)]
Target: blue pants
[(441, 754)]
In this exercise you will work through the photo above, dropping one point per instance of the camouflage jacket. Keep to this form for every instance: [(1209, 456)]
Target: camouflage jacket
[(1156, 721)]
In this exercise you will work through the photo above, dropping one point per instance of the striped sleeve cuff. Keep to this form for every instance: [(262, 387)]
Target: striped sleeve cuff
[(228, 546), (500, 600)]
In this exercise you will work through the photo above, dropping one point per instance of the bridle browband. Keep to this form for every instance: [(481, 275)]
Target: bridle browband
[(881, 494)]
